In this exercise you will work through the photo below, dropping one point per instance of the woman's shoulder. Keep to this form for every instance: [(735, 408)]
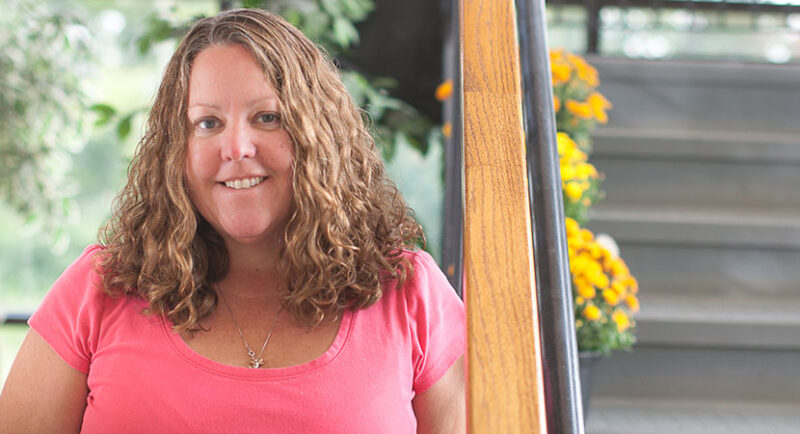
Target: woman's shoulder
[(80, 287), (83, 272), (423, 270), (71, 316), (434, 316), (425, 283)]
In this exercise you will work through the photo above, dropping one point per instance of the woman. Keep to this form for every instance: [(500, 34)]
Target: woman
[(254, 277)]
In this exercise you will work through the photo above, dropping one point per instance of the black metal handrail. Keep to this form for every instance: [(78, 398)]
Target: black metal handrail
[(551, 258)]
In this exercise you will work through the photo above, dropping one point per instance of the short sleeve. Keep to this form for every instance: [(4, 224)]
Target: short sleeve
[(436, 316), (69, 317)]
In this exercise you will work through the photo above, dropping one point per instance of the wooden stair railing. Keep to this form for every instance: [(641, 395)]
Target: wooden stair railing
[(522, 374), (504, 359)]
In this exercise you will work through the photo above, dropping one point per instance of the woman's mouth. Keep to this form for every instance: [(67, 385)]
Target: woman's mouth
[(239, 184)]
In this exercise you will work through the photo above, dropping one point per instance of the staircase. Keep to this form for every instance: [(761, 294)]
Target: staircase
[(702, 164)]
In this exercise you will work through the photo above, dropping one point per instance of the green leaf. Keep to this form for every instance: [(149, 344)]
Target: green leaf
[(356, 87), (384, 82), (332, 7), (124, 125), (104, 113), (294, 17), (345, 34), (357, 10), (143, 44), (315, 25)]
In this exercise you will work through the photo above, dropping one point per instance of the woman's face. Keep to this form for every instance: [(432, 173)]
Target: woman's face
[(239, 158)]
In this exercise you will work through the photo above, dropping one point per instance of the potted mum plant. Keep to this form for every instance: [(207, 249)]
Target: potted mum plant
[(604, 291)]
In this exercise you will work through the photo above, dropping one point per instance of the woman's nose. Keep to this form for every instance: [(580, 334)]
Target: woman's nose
[(238, 143)]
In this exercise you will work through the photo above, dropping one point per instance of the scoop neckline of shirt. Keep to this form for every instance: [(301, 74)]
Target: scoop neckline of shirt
[(214, 367)]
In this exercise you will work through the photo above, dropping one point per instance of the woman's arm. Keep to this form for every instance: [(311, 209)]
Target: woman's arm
[(42, 394), (442, 409)]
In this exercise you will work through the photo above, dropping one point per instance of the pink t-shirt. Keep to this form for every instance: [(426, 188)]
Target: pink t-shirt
[(142, 377)]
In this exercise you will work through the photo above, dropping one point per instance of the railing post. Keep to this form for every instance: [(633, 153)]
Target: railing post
[(592, 26), (453, 227)]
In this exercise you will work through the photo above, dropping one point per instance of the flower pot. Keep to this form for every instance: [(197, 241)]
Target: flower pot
[(587, 361)]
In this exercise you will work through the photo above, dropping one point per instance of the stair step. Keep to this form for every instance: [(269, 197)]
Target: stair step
[(700, 95), (699, 183), (694, 225), (715, 252), (719, 322), (671, 372), (694, 145), (658, 416)]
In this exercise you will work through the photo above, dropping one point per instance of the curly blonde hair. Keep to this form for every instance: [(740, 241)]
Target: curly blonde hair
[(349, 223)]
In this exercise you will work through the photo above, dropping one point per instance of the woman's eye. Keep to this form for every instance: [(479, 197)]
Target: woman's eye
[(268, 118), (207, 124)]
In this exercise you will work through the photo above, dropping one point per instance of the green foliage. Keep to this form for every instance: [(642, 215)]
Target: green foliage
[(579, 210), (331, 23), (42, 111), (603, 336)]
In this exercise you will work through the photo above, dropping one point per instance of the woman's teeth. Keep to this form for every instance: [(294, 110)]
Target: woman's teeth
[(239, 184)]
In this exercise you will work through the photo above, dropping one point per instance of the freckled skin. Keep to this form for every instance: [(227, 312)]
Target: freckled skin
[(236, 133)]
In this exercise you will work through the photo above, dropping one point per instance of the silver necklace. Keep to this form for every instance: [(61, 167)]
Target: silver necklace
[(255, 361)]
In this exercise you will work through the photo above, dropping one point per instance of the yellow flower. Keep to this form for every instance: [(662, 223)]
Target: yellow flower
[(611, 297), (586, 170), (595, 251), (556, 103), (631, 283), (579, 109), (561, 72), (444, 90), (599, 104), (573, 191), (572, 226), (591, 312), (585, 72), (568, 173), (633, 302), (618, 267), (565, 143), (580, 300), (598, 278), (447, 129), (622, 320), (587, 235), (586, 291), (619, 289), (578, 264)]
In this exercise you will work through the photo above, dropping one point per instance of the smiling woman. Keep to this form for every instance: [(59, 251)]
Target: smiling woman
[(256, 187)]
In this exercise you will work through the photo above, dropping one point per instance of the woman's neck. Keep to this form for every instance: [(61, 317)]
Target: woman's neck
[(253, 272)]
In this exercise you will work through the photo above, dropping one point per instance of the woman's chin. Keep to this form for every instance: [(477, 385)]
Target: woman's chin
[(248, 233)]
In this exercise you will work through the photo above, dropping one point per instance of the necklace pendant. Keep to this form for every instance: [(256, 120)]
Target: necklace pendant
[(256, 363)]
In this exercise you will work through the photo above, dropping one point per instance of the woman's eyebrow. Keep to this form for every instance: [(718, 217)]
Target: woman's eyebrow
[(251, 103), (203, 104)]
